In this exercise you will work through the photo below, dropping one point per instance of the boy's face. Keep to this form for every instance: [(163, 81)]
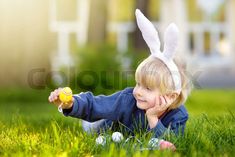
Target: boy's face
[(145, 97)]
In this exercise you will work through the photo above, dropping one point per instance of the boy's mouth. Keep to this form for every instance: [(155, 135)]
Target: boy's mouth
[(140, 100)]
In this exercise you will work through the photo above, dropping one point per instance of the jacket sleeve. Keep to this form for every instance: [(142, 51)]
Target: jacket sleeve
[(176, 125), (92, 108)]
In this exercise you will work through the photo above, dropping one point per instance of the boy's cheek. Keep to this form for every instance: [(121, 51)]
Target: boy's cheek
[(157, 101), (151, 105)]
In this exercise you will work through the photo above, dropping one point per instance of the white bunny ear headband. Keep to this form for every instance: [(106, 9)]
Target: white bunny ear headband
[(150, 36)]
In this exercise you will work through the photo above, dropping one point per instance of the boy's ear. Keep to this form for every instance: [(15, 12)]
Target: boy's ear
[(172, 96)]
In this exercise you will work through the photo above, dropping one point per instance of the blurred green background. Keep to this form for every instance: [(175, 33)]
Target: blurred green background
[(94, 45)]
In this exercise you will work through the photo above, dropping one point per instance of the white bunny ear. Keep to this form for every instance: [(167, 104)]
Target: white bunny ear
[(149, 32), (171, 38)]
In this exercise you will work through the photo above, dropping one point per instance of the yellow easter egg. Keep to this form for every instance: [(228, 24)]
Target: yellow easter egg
[(66, 95)]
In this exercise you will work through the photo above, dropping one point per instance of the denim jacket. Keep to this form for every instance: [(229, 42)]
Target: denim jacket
[(121, 107)]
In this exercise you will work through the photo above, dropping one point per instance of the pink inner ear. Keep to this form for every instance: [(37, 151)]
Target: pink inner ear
[(170, 41)]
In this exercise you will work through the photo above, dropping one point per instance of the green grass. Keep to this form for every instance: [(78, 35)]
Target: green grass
[(29, 126)]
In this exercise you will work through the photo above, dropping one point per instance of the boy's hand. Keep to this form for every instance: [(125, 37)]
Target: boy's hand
[(161, 105), (167, 145), (54, 98)]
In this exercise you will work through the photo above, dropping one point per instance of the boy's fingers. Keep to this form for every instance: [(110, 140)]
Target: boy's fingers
[(54, 95), (168, 101), (61, 104), (163, 102), (58, 91), (55, 98), (160, 101), (50, 98), (164, 98)]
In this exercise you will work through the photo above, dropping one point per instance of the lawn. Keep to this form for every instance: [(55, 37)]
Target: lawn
[(30, 126)]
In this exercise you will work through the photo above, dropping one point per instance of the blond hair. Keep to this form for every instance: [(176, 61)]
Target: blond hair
[(153, 73)]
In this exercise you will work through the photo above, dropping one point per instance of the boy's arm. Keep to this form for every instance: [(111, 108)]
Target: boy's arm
[(91, 108), (176, 125)]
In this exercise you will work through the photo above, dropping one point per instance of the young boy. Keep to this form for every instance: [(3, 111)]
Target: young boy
[(160, 91)]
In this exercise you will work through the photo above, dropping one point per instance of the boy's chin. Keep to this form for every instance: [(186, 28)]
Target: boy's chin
[(142, 106)]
